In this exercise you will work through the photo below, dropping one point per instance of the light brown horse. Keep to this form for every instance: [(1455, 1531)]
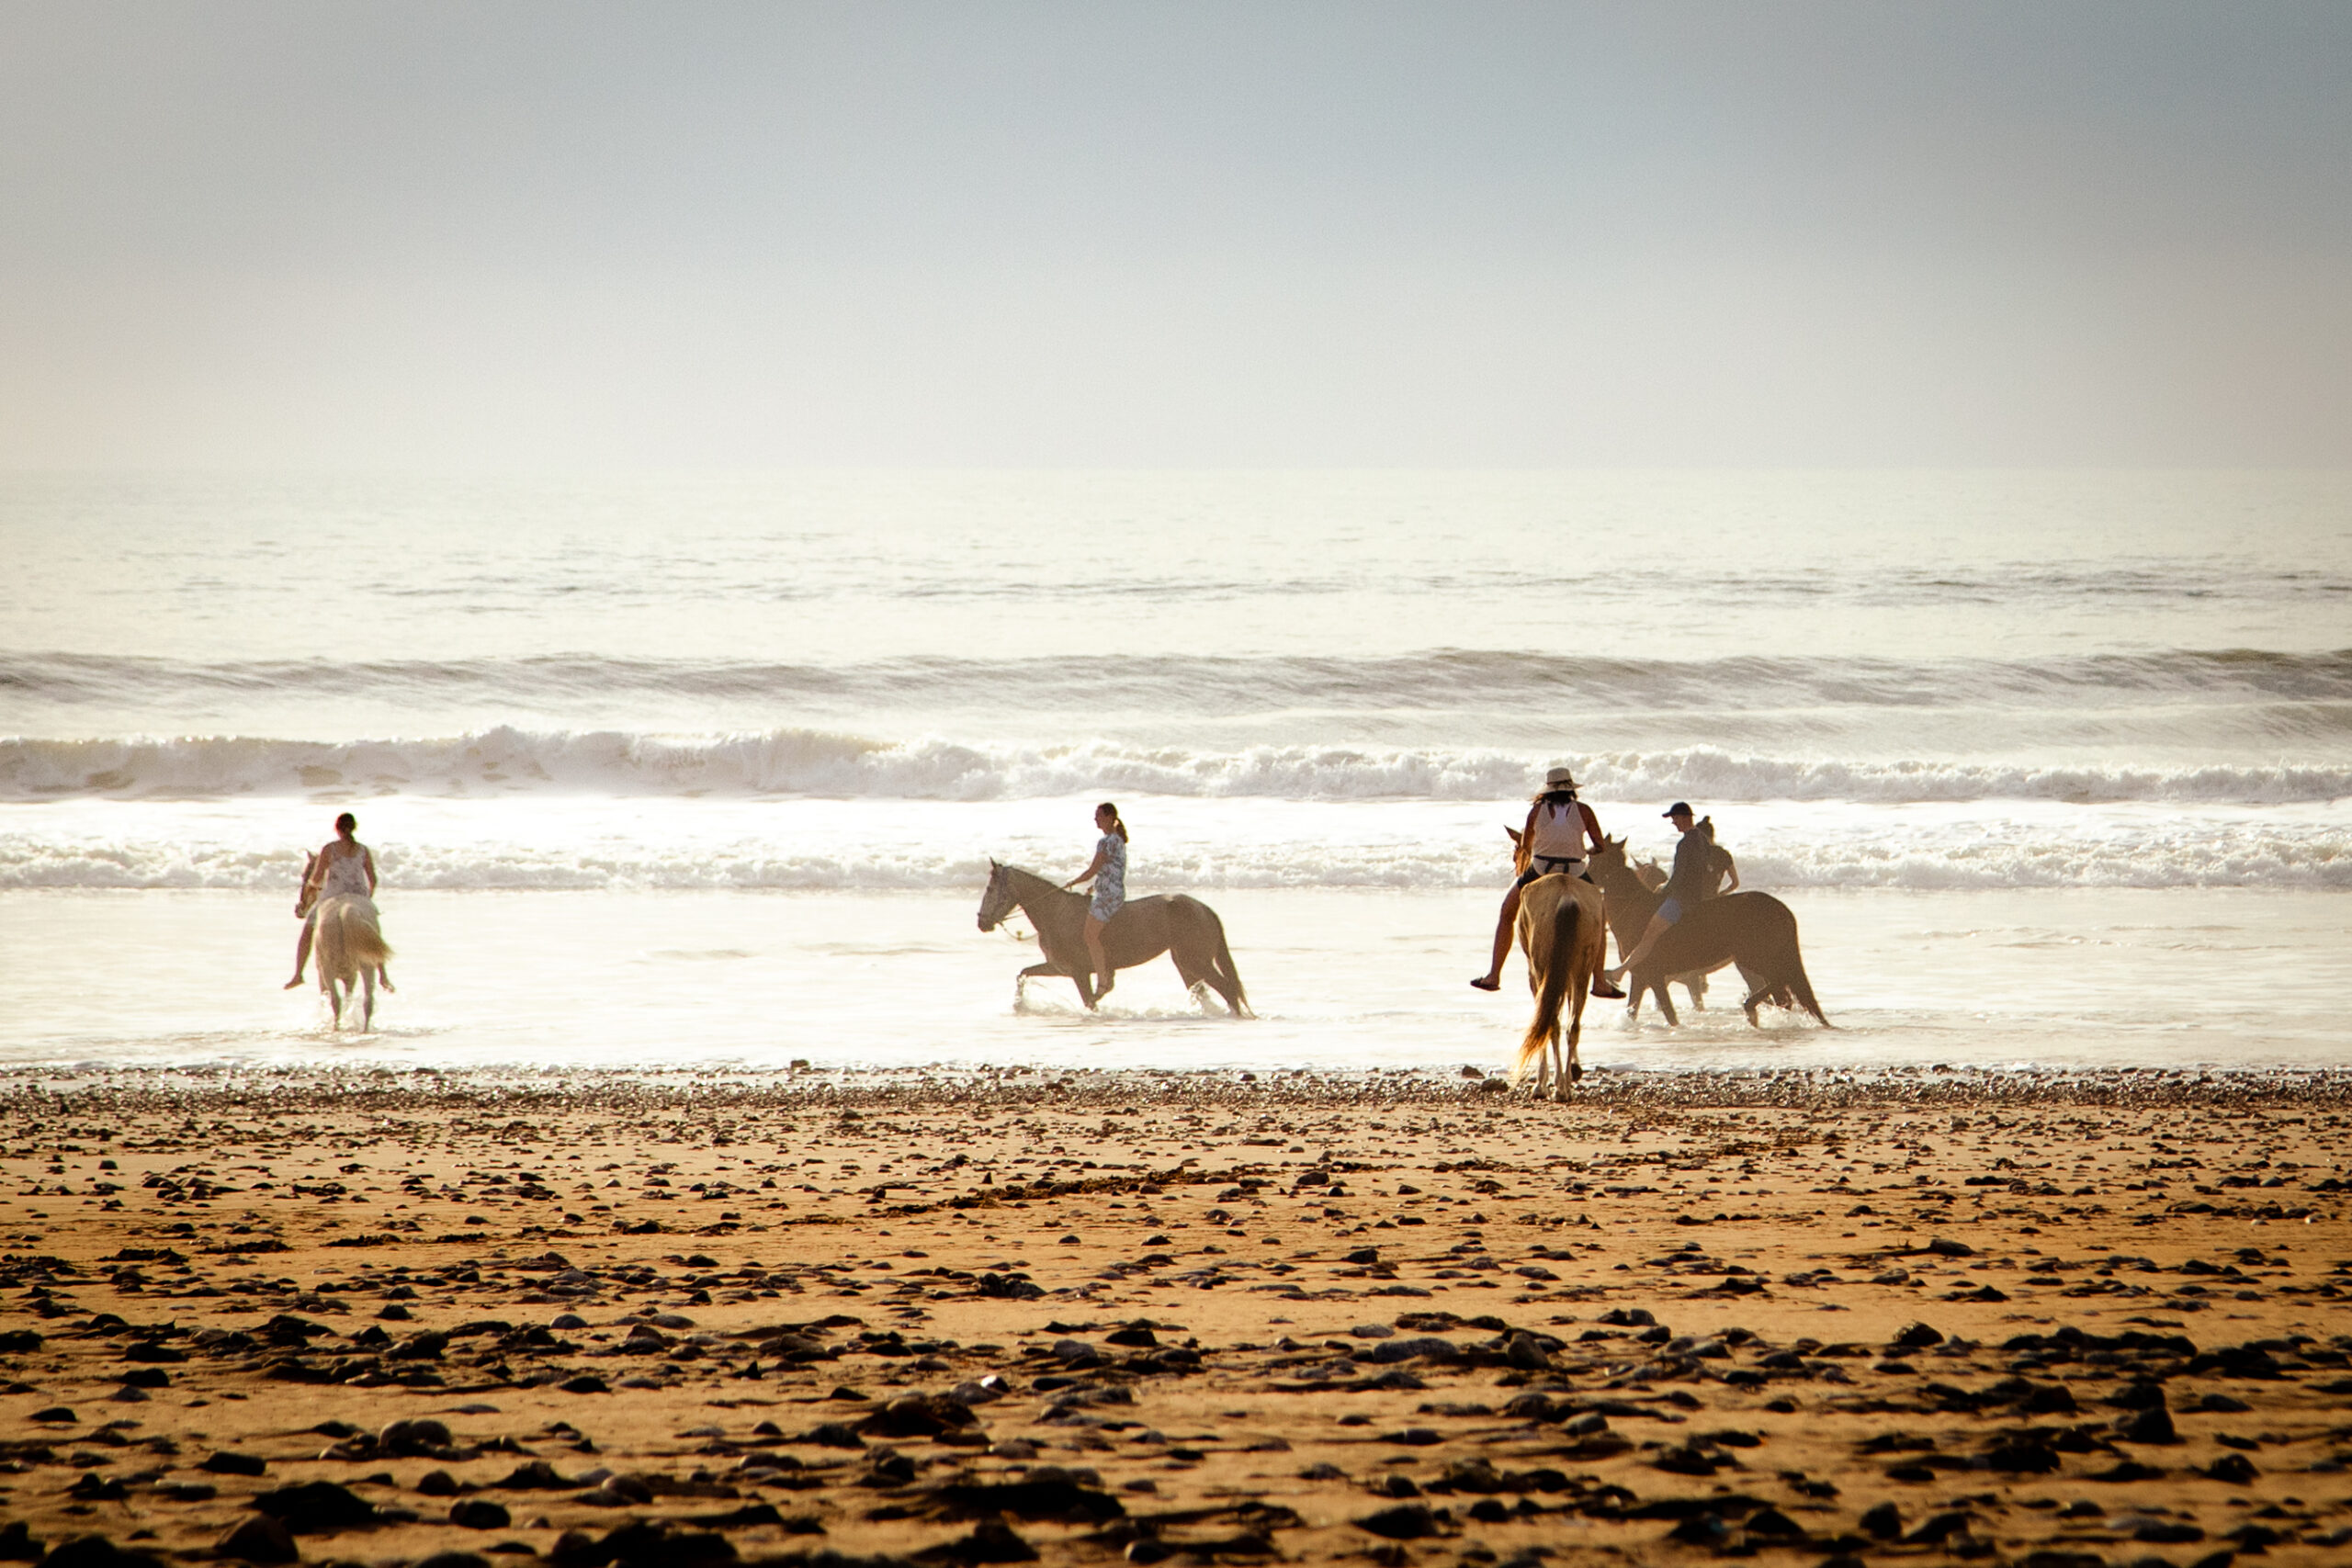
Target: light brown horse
[(1653, 876), (1754, 930), (1185, 929), (1562, 930)]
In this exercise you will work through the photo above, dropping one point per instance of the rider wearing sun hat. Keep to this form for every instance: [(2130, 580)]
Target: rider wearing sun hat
[(1559, 829)]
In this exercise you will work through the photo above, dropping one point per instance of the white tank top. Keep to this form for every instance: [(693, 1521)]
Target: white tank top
[(346, 874), (1559, 832)]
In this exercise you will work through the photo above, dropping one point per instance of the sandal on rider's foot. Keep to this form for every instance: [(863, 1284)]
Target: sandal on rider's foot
[(1601, 988), (1482, 984)]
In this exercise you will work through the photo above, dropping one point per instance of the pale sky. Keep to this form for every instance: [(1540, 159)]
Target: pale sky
[(463, 235)]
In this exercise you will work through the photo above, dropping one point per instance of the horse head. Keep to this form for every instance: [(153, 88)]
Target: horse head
[(1612, 868), (998, 901), (306, 895)]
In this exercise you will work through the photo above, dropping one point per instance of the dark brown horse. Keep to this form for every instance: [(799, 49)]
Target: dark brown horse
[(1754, 930), (1185, 929)]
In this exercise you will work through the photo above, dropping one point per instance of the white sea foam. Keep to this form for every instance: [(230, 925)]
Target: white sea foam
[(577, 843), (814, 763)]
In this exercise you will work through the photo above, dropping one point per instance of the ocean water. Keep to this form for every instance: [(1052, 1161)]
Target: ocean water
[(2053, 768)]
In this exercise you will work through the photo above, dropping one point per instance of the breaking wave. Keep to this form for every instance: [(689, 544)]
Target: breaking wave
[(821, 763), (1436, 680), (1954, 856)]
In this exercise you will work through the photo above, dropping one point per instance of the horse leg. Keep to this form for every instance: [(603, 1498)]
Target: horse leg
[(1666, 1004), (1021, 981), (1196, 982), (1572, 1069), (368, 1006)]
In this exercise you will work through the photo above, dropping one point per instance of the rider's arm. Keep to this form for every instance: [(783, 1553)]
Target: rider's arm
[(1591, 826), (1099, 858), (368, 859), (1731, 869)]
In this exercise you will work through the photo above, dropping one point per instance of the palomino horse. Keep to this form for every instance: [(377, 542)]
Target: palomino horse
[(1754, 930), (349, 945), (1653, 876), (1562, 931), (1185, 929)]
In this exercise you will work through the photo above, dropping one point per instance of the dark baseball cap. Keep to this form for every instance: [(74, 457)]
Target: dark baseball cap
[(1680, 808)]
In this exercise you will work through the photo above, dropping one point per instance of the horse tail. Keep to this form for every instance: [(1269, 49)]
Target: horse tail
[(363, 941), (1230, 976), (1784, 959), (1803, 987), (1566, 917)]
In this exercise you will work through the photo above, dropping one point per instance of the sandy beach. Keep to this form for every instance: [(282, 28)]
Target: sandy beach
[(2048, 1319)]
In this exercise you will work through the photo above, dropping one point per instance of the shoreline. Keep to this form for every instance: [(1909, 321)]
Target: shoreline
[(787, 1087)]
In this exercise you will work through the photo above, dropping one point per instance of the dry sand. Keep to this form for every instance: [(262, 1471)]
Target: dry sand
[(2011, 1318)]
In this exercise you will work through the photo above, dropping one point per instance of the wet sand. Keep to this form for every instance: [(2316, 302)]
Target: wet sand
[(2041, 1319)]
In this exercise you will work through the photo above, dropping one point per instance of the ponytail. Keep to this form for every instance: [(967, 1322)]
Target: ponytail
[(1116, 826)]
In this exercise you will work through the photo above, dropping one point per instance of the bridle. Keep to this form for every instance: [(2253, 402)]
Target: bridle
[(999, 903)]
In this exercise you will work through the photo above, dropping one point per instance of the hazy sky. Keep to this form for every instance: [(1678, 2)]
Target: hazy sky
[(302, 232)]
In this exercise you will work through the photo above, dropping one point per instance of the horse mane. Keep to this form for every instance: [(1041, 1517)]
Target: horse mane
[(1041, 884)]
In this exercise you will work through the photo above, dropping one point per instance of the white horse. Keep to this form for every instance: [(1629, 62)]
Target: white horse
[(349, 946)]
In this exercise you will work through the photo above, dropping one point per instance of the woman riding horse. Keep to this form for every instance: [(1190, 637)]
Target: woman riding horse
[(347, 866), (1559, 827)]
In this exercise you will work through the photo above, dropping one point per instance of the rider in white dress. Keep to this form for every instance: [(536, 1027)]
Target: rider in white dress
[(345, 868), (1109, 872)]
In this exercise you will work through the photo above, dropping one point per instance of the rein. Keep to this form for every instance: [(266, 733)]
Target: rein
[(1018, 904)]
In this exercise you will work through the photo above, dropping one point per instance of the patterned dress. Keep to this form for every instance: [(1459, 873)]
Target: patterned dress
[(1110, 882)]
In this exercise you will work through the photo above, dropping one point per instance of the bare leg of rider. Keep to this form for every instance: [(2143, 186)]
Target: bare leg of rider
[(1492, 979), (302, 951), (1103, 973), (1657, 928)]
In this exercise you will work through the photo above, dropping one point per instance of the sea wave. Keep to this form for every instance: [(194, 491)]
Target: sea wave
[(1435, 679), (2241, 854), (822, 763)]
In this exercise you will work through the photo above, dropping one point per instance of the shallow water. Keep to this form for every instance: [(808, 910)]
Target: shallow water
[(1340, 980), (714, 768)]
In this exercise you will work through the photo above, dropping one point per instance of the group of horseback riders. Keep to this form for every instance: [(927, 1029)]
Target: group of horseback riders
[(1561, 836)]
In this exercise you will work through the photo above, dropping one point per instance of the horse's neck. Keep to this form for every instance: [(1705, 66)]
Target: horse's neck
[(1037, 895), (1618, 882)]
